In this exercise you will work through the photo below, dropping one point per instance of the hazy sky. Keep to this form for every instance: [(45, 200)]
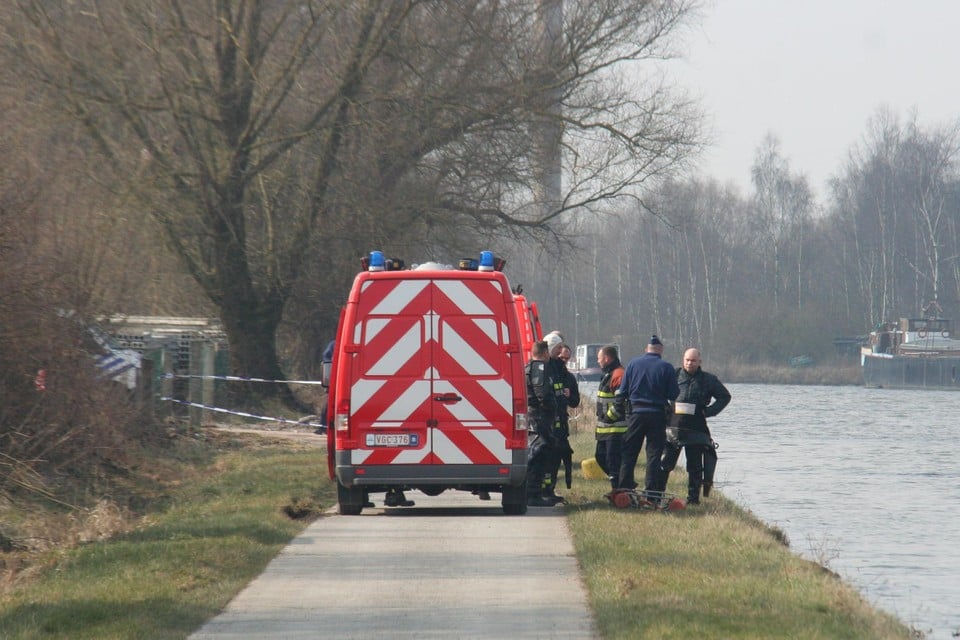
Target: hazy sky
[(814, 72)]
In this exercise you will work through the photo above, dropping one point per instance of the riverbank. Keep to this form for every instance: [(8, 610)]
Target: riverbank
[(712, 572)]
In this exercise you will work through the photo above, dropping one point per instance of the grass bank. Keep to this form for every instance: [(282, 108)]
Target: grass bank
[(220, 525), (708, 572)]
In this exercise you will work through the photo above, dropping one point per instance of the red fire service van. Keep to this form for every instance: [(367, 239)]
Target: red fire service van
[(427, 389)]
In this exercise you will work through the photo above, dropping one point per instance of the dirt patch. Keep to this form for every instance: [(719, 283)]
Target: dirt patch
[(302, 436)]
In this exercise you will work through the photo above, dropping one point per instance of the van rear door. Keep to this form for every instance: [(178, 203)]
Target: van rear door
[(433, 372), (390, 390), (472, 379)]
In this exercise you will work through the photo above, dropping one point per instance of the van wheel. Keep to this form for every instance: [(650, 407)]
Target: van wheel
[(515, 500), (350, 500)]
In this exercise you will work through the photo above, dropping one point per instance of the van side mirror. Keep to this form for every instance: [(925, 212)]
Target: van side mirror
[(325, 378)]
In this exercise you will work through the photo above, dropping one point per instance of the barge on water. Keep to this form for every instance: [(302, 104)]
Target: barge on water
[(915, 353)]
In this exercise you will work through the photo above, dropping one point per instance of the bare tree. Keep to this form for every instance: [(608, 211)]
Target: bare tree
[(930, 165), (782, 203), (896, 204), (867, 206), (258, 133)]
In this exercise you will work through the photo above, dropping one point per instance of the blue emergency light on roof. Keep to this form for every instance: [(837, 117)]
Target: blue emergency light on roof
[(377, 261), (486, 261)]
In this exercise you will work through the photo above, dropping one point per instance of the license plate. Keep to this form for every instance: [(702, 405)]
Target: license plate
[(392, 440)]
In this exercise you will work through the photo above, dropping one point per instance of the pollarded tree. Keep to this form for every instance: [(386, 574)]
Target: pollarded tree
[(262, 132)]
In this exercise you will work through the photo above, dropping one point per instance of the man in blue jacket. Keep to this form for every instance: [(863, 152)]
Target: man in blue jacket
[(649, 385)]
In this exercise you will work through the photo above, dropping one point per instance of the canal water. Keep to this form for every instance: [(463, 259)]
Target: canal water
[(864, 481)]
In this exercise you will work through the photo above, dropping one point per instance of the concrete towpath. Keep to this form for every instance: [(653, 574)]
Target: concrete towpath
[(450, 567)]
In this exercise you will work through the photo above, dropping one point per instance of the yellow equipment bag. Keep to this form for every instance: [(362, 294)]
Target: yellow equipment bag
[(591, 470)]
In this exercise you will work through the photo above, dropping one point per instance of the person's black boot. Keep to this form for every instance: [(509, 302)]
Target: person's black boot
[(535, 499), (396, 498), (707, 486), (539, 502)]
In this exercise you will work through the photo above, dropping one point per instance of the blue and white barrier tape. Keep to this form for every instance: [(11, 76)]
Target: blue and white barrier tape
[(241, 413), (238, 379)]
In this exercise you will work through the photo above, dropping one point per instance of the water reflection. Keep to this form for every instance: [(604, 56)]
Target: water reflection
[(863, 480)]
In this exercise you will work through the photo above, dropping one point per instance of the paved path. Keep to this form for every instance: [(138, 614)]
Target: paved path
[(450, 567)]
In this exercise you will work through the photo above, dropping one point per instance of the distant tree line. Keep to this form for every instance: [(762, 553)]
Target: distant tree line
[(772, 274)]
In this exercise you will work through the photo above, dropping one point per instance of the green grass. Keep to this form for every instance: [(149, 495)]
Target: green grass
[(710, 571), (181, 566)]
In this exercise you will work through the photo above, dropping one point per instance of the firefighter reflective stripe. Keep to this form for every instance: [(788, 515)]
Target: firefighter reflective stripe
[(610, 429), (605, 408)]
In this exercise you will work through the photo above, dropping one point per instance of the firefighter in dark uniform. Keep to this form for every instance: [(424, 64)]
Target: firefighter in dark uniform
[(542, 410), (556, 371), (568, 397), (610, 427), (702, 396)]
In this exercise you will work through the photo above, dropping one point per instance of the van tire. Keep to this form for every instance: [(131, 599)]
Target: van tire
[(349, 509), (350, 500), (515, 500)]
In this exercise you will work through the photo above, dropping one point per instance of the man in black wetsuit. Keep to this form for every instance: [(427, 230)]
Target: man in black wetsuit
[(702, 396)]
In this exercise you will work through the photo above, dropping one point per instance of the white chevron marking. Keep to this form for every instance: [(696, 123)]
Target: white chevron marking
[(398, 298), (500, 391), (464, 298), (399, 354), (464, 410), (448, 452), (494, 442), (464, 353), (409, 400), (361, 391)]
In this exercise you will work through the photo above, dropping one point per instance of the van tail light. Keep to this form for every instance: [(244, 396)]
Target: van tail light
[(520, 422), (342, 422)]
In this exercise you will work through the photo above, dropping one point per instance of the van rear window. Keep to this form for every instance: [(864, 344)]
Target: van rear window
[(473, 344), (393, 346)]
